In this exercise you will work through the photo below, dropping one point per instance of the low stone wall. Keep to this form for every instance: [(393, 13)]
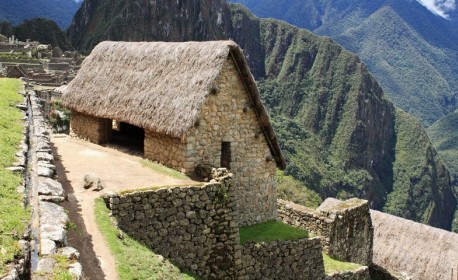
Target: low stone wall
[(346, 227), (168, 151), (95, 130), (46, 194), (358, 274), (296, 259), (195, 226)]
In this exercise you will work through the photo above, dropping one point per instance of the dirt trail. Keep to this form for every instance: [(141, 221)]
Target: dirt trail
[(117, 170)]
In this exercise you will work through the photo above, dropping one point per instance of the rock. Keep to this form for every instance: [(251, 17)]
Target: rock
[(47, 186), (76, 270), (91, 180), (16, 169), (51, 198), (53, 214), (69, 252), (47, 157), (46, 265), (47, 247), (22, 107), (45, 169), (55, 233), (204, 170)]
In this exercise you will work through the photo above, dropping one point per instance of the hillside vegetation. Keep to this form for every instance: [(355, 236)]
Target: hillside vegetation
[(61, 11), (13, 217), (339, 133)]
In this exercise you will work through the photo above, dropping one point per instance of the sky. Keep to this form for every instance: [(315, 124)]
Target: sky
[(439, 7)]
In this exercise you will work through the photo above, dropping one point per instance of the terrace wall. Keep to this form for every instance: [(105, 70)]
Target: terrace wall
[(346, 228)]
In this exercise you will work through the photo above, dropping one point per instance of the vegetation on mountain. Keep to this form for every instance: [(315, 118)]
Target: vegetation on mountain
[(335, 126), (13, 217), (410, 51), (44, 31), (61, 11)]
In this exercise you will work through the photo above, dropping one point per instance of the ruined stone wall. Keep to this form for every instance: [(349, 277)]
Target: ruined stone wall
[(167, 150), (346, 227), (95, 130), (295, 259), (228, 116), (194, 226), (358, 274)]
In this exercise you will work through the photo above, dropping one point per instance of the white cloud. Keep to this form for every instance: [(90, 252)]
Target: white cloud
[(439, 7)]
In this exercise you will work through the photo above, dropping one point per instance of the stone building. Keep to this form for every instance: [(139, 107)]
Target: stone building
[(187, 105)]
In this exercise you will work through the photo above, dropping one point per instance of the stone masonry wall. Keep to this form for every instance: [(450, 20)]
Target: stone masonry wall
[(358, 274), (228, 116), (95, 130), (166, 150), (346, 227), (195, 226), (296, 259)]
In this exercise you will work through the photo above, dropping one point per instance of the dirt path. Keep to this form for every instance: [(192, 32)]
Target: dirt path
[(118, 171)]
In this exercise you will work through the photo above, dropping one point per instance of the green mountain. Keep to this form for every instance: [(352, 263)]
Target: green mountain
[(61, 11), (340, 134), (410, 51), (44, 31)]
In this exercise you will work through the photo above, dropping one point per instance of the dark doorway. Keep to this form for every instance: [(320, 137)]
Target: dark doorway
[(226, 156), (129, 136)]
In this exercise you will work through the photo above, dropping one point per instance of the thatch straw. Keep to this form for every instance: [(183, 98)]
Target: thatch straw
[(422, 251), (158, 86)]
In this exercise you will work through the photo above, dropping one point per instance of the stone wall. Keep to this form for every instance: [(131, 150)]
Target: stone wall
[(296, 259), (346, 227), (50, 221), (195, 226), (228, 116), (95, 130), (358, 274), (167, 150)]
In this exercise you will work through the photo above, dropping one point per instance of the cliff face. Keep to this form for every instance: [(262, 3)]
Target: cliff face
[(338, 131)]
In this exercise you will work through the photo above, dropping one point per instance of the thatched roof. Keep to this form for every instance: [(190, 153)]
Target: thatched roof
[(421, 251), (159, 86)]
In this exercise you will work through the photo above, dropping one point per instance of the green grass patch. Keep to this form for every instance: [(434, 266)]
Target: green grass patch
[(332, 265), (271, 231), (163, 169), (13, 217), (133, 259)]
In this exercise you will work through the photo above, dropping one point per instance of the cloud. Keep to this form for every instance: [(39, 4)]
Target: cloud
[(439, 7)]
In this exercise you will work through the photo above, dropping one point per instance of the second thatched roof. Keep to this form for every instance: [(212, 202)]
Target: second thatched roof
[(159, 86), (421, 251)]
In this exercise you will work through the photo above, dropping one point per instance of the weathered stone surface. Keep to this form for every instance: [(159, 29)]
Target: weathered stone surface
[(53, 214), (16, 169), (47, 186), (296, 259), (92, 180), (55, 233), (52, 198), (46, 157), (46, 265), (76, 270), (46, 169), (358, 274), (345, 226), (70, 252), (47, 247)]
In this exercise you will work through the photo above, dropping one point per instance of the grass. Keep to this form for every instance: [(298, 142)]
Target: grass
[(133, 259), (331, 265), (13, 217), (163, 169), (271, 231)]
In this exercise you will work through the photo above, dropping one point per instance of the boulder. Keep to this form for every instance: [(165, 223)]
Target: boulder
[(91, 180)]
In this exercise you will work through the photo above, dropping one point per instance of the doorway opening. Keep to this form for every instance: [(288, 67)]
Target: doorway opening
[(226, 156), (128, 136)]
